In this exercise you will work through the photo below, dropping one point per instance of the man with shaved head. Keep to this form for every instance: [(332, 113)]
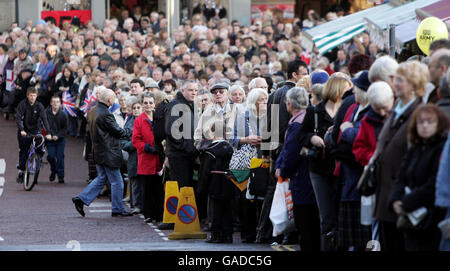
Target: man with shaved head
[(438, 65), (105, 137)]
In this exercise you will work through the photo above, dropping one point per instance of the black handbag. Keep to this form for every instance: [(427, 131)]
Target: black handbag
[(367, 183), (259, 181)]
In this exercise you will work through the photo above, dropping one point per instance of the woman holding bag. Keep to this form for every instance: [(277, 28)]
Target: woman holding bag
[(247, 132), (290, 164), (311, 135), (427, 133), (148, 161)]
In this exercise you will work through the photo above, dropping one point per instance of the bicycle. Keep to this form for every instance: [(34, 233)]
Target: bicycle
[(33, 163)]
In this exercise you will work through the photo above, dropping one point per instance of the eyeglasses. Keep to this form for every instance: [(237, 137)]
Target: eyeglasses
[(215, 91)]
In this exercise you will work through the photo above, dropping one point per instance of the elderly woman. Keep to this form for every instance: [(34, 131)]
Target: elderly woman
[(414, 187), (409, 81), (248, 129), (381, 100), (120, 109), (237, 94), (136, 190), (290, 164), (148, 161), (317, 122), (383, 69)]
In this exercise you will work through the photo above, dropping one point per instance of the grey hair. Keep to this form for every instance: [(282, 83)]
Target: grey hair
[(382, 68), (236, 88), (254, 94), (104, 94), (379, 93), (148, 95), (298, 98), (317, 89), (131, 100), (186, 82)]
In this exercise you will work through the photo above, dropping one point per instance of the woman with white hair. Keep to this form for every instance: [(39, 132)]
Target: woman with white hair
[(248, 128), (237, 94), (383, 69), (381, 100), (290, 164)]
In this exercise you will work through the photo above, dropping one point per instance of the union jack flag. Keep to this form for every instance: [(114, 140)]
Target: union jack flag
[(69, 103), (90, 97)]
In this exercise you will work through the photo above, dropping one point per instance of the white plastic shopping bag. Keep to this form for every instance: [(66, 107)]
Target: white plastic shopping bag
[(282, 210)]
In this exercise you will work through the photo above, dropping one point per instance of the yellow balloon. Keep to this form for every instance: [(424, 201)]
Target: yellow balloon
[(429, 30)]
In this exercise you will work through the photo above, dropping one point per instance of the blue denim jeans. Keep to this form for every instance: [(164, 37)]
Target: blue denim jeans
[(55, 156), (105, 175)]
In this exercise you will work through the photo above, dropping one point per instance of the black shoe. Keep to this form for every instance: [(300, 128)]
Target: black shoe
[(20, 177), (228, 239), (60, 179), (122, 214), (166, 226), (78, 205), (52, 177), (214, 239)]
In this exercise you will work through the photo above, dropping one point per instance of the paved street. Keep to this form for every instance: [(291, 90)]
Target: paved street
[(45, 218)]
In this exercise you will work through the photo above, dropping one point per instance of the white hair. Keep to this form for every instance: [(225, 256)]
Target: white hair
[(379, 93), (254, 94), (382, 68)]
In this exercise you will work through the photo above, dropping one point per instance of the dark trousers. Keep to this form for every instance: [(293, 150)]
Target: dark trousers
[(153, 200), (222, 217), (249, 217), (391, 239), (73, 126), (307, 222), (182, 171), (422, 240), (55, 156), (326, 192)]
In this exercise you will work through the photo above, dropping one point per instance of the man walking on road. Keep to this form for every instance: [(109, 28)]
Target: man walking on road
[(105, 137)]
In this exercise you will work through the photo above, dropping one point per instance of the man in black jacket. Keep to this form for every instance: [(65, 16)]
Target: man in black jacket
[(180, 123), (105, 137), (31, 119), (58, 121)]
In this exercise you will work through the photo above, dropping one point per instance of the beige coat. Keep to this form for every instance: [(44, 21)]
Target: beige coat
[(223, 124)]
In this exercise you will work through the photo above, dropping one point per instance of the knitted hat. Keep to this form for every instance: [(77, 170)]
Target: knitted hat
[(319, 78)]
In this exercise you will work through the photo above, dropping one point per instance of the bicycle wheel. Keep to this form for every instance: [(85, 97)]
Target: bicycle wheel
[(31, 172)]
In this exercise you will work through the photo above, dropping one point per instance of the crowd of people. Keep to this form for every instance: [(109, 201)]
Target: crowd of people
[(153, 108)]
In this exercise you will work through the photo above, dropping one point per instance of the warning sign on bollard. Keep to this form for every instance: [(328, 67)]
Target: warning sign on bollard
[(187, 225), (171, 202)]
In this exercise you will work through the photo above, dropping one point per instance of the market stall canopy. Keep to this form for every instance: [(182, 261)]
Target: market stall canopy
[(405, 32), (378, 24), (440, 9), (331, 34)]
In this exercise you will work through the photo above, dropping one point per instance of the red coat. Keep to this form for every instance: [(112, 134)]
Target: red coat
[(366, 141), (148, 163)]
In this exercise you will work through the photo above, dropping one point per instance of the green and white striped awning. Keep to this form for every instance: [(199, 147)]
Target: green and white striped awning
[(331, 34)]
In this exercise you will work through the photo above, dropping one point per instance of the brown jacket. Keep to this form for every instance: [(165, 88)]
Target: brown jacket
[(391, 147)]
